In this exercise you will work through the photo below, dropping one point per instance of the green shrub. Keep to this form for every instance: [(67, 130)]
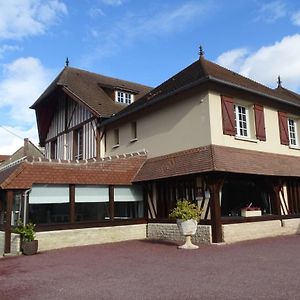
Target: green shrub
[(27, 232), (186, 210)]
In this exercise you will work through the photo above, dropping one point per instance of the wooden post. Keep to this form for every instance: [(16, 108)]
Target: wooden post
[(215, 183), (145, 200), (9, 204), (72, 202), (275, 185), (111, 193)]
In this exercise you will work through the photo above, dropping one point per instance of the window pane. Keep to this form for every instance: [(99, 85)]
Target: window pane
[(49, 213), (129, 210), (91, 211)]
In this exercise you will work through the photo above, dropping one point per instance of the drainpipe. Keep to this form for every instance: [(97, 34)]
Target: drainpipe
[(25, 205)]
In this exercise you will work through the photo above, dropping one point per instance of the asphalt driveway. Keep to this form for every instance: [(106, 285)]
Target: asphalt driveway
[(261, 269)]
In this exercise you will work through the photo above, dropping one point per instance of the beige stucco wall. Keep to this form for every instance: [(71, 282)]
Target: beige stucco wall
[(89, 236), (272, 143), (15, 243), (181, 125)]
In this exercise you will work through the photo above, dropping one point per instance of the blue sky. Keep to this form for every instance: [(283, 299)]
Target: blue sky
[(137, 40)]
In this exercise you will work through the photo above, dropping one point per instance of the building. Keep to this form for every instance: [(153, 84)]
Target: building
[(207, 134)]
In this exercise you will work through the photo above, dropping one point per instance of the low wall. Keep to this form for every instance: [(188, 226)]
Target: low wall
[(250, 231), (291, 226), (89, 236), (165, 231), (15, 243)]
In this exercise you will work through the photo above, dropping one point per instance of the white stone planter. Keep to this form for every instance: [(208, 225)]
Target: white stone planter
[(187, 228), (250, 213)]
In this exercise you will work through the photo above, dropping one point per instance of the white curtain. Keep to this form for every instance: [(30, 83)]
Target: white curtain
[(46, 193), (90, 193), (128, 193)]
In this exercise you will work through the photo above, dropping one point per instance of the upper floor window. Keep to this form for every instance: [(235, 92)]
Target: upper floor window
[(292, 127), (116, 137), (53, 149), (78, 143), (124, 97), (133, 132), (241, 120)]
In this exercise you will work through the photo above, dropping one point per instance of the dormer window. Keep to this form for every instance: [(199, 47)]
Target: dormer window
[(124, 97)]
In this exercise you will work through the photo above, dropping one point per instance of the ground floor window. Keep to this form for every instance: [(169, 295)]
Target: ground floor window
[(128, 202), (49, 213), (49, 204), (91, 203)]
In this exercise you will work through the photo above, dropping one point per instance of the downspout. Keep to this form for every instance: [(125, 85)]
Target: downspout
[(25, 205)]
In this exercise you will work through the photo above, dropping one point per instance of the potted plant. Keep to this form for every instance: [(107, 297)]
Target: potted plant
[(29, 245), (187, 216)]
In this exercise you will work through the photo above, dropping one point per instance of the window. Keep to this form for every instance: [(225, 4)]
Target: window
[(241, 120), (53, 150), (124, 97), (78, 143), (133, 132), (292, 127), (116, 137), (49, 204), (91, 203)]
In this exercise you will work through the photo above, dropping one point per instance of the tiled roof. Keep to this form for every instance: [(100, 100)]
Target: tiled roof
[(118, 170), (201, 72), (87, 88), (4, 157), (218, 158)]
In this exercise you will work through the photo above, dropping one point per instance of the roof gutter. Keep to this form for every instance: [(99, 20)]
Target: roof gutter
[(214, 79)]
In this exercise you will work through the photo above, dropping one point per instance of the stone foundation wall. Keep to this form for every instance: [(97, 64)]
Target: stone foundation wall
[(2, 241), (250, 231), (291, 226), (164, 231), (89, 236)]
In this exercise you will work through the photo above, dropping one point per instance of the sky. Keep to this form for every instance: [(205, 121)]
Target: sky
[(137, 40)]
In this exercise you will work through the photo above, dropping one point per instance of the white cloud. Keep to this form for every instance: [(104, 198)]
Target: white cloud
[(264, 65), (23, 81), (7, 48), (272, 11), (296, 18), (95, 12), (10, 143), (161, 21), (233, 59), (113, 2), (21, 18)]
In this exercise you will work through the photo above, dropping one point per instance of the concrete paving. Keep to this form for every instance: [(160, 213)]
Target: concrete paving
[(260, 269)]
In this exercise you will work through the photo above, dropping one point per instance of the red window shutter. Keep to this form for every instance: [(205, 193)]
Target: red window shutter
[(228, 115), (259, 122), (283, 128)]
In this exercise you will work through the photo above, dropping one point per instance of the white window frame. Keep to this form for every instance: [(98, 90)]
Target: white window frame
[(293, 134), (239, 129), (123, 97)]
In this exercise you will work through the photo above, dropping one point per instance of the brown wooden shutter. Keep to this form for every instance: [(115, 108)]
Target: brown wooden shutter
[(228, 115), (259, 122), (283, 128)]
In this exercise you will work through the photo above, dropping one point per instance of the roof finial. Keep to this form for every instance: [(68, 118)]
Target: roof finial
[(67, 62), (201, 51), (279, 82)]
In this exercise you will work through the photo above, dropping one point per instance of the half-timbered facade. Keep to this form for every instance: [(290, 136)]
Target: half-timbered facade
[(119, 153)]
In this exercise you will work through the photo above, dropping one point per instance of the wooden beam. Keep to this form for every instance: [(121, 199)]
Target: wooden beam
[(9, 204), (72, 202), (215, 183), (111, 195)]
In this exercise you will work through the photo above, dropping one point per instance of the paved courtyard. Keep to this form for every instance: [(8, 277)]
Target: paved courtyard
[(261, 269)]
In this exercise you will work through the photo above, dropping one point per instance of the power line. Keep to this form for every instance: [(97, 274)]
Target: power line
[(11, 132)]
